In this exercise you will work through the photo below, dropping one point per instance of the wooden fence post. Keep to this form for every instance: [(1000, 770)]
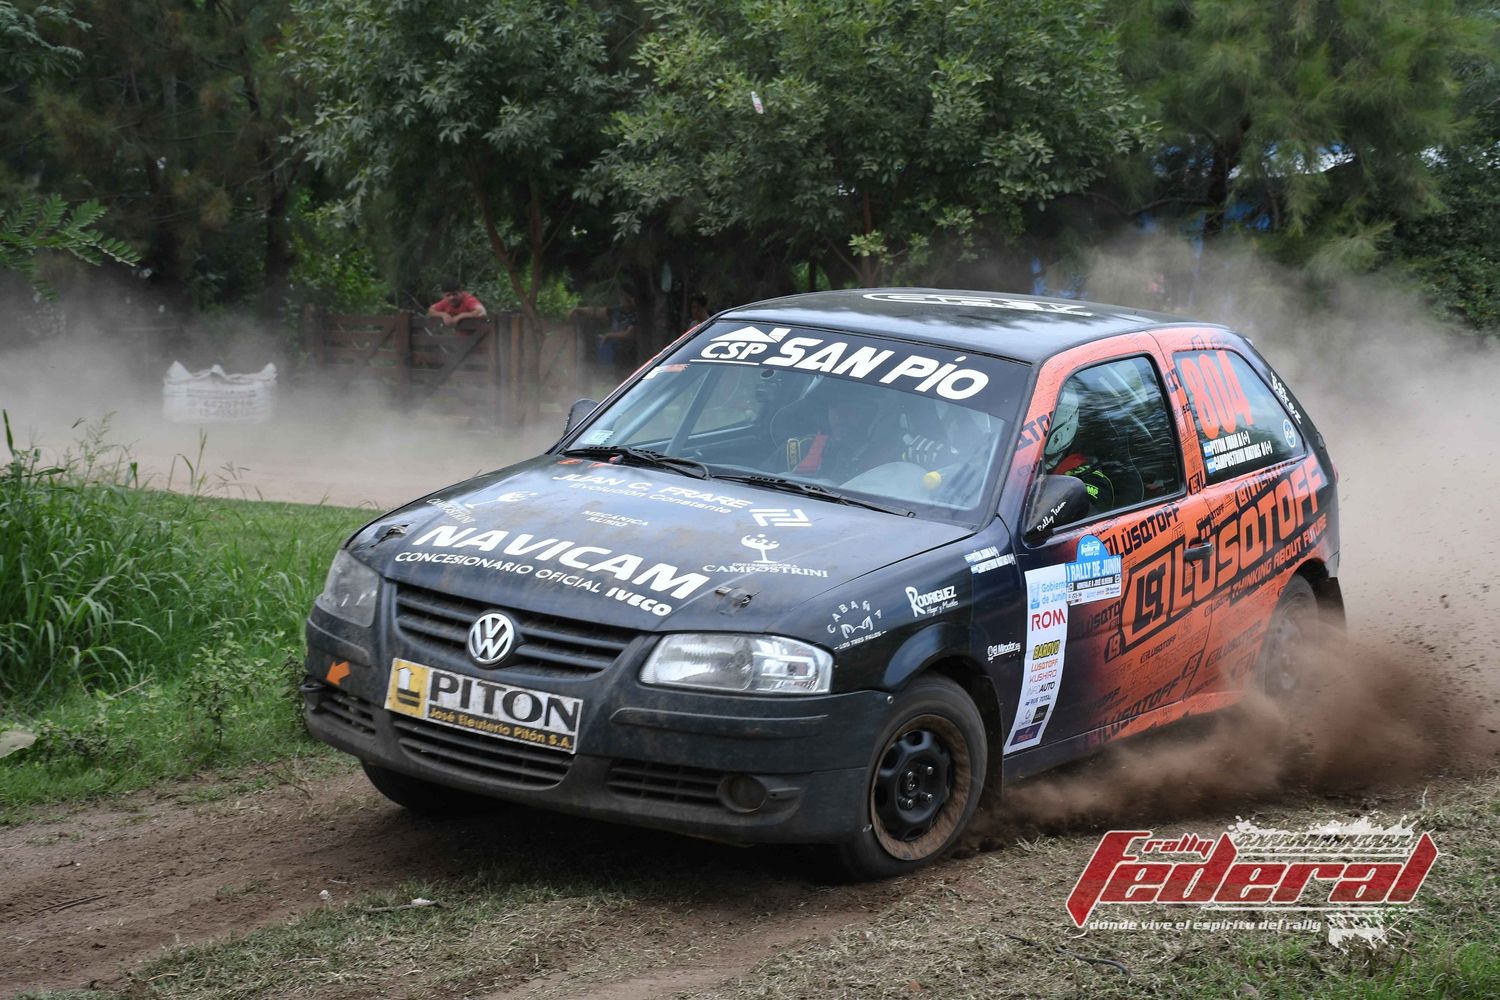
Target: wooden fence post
[(517, 404), (580, 356), (497, 372), (403, 358), (312, 334)]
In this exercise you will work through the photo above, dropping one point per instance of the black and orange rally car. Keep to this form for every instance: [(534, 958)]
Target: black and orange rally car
[(830, 566)]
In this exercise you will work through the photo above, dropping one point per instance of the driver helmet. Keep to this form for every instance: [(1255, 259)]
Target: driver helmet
[(1064, 425)]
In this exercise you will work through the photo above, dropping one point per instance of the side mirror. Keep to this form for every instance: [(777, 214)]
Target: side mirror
[(578, 413), (1056, 501)]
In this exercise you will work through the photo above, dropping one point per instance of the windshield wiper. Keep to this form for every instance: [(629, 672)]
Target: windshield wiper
[(811, 490), (644, 456)]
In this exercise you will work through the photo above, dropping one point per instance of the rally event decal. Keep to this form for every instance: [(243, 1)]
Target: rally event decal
[(1095, 575)]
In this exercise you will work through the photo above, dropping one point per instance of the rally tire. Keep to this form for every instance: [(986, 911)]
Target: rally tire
[(422, 797), (1284, 666), (923, 784)]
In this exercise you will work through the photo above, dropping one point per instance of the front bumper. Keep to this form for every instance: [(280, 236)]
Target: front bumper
[(746, 769)]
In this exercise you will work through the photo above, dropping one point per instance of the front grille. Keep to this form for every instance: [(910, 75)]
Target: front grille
[(343, 709), (548, 646), (665, 782), (481, 757)]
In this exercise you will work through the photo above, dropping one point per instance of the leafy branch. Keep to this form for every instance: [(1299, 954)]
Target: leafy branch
[(48, 223)]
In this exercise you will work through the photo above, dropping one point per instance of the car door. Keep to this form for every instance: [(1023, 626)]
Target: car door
[(1262, 485), (1115, 629)]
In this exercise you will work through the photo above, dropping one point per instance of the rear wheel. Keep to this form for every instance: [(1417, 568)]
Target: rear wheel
[(923, 784), (1286, 654), (423, 797)]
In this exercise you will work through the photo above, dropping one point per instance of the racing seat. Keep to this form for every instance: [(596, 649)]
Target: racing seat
[(793, 428)]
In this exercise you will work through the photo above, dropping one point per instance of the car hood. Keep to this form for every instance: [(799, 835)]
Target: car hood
[(636, 547)]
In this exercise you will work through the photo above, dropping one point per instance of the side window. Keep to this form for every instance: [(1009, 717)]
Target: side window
[(1112, 430), (1241, 425)]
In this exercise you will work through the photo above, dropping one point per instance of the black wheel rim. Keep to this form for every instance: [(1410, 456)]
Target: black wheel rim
[(912, 784), (914, 811)]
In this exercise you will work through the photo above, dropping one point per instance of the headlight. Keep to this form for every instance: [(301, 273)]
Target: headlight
[(753, 664), (350, 591)]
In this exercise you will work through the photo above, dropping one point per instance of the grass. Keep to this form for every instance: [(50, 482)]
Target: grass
[(146, 634)]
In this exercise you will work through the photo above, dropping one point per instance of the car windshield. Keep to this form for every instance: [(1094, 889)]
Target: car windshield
[(907, 426)]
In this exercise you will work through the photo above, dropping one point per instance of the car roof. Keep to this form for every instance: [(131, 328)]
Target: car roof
[(1023, 327)]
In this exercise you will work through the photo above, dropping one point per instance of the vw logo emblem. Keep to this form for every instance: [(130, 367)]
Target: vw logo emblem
[(491, 638)]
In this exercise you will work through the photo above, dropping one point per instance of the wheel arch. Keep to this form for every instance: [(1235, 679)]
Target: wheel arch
[(943, 649), (1326, 589), (977, 684)]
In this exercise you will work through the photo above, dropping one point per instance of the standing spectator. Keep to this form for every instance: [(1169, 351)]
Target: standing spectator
[(456, 304), (698, 310), (616, 351)]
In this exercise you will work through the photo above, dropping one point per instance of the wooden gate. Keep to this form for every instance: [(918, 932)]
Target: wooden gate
[(474, 368)]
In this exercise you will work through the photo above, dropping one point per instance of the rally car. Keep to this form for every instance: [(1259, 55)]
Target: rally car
[(832, 566)]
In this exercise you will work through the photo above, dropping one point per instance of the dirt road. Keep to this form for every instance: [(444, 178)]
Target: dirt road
[(96, 892), (92, 896)]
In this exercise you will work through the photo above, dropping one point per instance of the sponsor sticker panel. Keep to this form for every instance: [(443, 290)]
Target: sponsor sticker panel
[(934, 372), (557, 561), (986, 559), (503, 711), (1046, 645), (854, 622)]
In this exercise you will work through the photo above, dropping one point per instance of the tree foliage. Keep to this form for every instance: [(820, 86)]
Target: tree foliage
[(1452, 252), (491, 110), (743, 147), (37, 224), (170, 115), (1316, 111), (32, 223), (25, 50), (877, 131)]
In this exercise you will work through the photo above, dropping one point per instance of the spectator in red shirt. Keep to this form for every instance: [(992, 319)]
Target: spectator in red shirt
[(456, 304)]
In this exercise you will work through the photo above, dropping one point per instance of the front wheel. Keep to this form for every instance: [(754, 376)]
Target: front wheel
[(923, 784)]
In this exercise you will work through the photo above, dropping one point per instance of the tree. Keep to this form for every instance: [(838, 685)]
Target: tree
[(166, 114), (34, 223), (875, 133), (1317, 111), (487, 109), (1452, 251)]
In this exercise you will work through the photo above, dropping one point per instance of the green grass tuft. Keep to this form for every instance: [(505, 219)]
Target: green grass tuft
[(145, 634)]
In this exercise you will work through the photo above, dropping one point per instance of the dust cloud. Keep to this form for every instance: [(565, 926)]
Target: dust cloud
[(326, 443), (1411, 414)]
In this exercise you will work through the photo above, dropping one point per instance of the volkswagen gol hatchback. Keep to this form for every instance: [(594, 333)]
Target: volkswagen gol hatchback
[(831, 565)]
